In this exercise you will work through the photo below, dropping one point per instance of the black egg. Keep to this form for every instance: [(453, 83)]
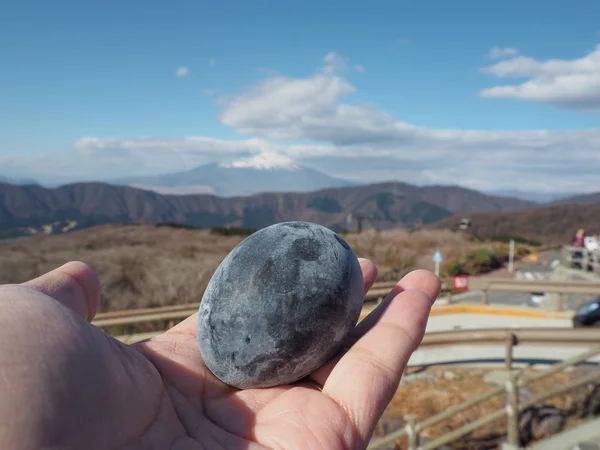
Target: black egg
[(279, 305)]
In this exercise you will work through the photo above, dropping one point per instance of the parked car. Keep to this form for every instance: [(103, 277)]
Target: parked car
[(588, 315)]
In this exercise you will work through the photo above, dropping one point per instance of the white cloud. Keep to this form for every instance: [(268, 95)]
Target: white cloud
[(182, 72), (314, 109), (334, 63), (212, 62), (498, 52), (346, 139), (535, 160), (573, 84), (283, 108), (359, 68), (208, 92)]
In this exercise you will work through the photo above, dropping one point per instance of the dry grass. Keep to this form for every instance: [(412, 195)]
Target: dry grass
[(429, 395), (138, 266), (144, 266), (399, 251), (406, 250)]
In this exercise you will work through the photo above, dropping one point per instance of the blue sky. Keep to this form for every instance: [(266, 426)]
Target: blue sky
[(368, 91)]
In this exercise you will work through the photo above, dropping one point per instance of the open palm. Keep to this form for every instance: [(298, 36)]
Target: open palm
[(65, 384)]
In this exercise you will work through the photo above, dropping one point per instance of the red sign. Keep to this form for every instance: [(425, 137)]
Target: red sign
[(460, 283)]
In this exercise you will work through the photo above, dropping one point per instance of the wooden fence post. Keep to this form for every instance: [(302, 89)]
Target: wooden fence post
[(508, 359), (512, 410), (560, 301), (412, 434)]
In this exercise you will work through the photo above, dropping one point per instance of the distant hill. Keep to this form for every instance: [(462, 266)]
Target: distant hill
[(16, 180), (28, 210), (550, 224), (245, 177), (533, 196), (582, 199)]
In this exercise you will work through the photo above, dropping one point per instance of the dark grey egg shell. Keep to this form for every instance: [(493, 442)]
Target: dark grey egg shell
[(279, 305)]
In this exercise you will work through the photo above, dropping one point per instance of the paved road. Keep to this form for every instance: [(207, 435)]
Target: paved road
[(495, 298), (546, 259), (492, 354), (466, 321)]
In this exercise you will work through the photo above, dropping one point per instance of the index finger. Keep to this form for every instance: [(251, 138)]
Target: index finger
[(366, 377)]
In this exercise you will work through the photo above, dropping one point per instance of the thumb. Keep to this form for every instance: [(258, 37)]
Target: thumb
[(74, 284)]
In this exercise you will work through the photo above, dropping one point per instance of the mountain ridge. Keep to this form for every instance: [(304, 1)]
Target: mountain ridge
[(534, 196), (549, 224), (25, 210), (580, 199)]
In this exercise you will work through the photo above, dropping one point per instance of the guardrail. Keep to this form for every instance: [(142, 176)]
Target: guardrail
[(581, 258), (170, 315), (508, 337), (485, 285)]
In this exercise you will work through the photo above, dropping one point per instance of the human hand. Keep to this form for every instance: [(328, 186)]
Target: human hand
[(65, 384)]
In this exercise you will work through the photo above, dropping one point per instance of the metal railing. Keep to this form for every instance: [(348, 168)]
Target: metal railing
[(581, 258), (509, 337), (169, 315)]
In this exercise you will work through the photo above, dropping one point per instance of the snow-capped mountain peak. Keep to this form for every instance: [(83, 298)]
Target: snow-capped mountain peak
[(264, 161), (267, 171)]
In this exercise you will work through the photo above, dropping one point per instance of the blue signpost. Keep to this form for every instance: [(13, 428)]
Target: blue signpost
[(437, 259)]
